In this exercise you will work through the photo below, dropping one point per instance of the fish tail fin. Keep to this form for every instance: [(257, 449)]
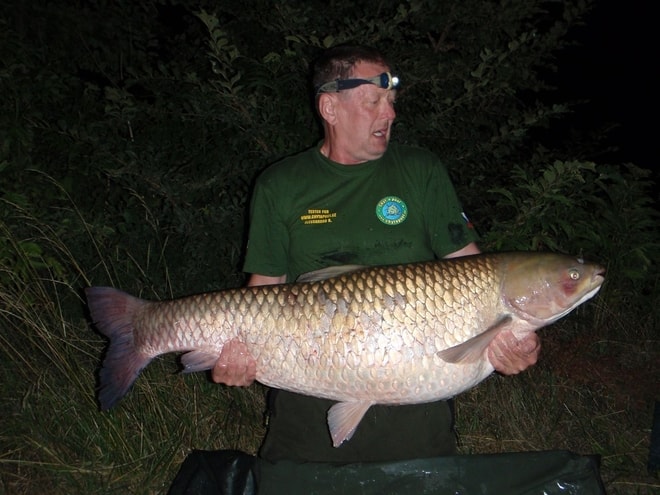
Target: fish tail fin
[(112, 312)]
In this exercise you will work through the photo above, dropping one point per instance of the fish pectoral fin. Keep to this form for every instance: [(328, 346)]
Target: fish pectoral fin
[(193, 361), (472, 350), (329, 272), (344, 418)]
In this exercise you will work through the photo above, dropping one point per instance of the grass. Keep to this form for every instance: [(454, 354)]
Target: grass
[(592, 393), (53, 439), (585, 395)]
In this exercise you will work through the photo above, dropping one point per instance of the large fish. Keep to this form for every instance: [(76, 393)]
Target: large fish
[(396, 334)]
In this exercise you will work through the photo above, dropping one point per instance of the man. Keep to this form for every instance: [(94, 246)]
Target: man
[(356, 199)]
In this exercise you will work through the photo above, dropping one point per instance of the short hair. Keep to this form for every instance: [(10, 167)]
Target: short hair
[(339, 61)]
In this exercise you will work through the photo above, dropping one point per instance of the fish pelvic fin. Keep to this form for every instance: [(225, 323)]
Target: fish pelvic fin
[(112, 314), (344, 418), (473, 349), (193, 361)]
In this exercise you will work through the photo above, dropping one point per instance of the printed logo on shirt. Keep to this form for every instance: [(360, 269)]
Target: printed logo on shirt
[(317, 216), (391, 210)]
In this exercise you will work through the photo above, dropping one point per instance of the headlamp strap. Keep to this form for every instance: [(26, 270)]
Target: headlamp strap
[(385, 81)]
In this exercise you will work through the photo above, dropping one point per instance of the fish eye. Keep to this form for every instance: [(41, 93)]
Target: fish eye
[(574, 274)]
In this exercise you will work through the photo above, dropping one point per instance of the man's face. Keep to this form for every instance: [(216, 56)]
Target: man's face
[(364, 117)]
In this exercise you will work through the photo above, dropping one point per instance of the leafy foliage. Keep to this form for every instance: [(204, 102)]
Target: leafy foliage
[(132, 133)]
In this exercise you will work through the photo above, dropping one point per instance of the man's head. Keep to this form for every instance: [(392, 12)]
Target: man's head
[(355, 98)]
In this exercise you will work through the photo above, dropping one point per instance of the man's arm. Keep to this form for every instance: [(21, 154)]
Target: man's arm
[(256, 279), (471, 248)]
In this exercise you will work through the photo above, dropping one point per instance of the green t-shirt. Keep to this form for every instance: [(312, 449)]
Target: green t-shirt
[(308, 212)]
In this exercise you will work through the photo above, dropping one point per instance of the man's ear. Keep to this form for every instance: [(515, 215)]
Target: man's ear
[(328, 108)]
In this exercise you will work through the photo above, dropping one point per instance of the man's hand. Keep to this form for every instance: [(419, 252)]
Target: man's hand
[(510, 356), (235, 366)]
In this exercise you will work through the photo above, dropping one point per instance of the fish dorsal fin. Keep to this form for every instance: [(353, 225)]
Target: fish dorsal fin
[(472, 350), (329, 272), (344, 418)]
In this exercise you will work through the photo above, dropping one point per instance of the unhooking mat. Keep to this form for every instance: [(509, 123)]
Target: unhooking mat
[(228, 472)]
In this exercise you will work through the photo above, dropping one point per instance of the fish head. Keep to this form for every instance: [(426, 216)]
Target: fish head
[(542, 288)]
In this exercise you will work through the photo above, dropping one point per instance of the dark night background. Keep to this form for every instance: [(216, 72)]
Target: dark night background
[(130, 137), (614, 68)]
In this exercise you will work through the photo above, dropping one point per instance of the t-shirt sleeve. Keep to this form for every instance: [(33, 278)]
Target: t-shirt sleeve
[(268, 237), (448, 226)]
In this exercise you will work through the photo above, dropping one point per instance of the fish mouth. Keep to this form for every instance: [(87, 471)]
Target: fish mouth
[(597, 280), (599, 276)]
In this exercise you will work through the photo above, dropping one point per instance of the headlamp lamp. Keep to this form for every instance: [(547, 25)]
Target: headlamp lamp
[(384, 81)]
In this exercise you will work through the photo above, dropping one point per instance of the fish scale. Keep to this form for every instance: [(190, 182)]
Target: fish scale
[(360, 336)]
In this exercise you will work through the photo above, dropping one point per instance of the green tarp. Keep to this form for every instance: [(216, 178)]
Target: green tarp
[(523, 473)]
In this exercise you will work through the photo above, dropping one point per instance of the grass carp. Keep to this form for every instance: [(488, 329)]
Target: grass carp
[(397, 334)]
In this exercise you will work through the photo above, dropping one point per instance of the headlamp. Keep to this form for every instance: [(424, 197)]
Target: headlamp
[(384, 81)]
